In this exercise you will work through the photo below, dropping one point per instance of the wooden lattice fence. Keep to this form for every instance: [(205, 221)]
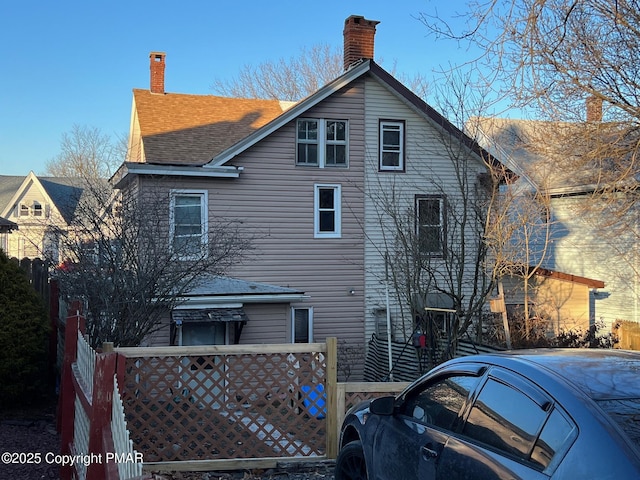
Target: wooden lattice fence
[(225, 403)]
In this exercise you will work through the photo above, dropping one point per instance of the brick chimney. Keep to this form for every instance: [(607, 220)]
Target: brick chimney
[(157, 71), (359, 36), (594, 109)]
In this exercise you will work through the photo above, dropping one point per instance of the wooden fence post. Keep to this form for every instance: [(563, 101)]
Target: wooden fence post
[(66, 410), (332, 397), (100, 416)]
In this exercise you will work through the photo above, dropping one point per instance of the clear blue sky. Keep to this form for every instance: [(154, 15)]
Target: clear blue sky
[(70, 62)]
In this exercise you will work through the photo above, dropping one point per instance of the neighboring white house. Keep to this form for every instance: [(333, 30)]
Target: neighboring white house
[(42, 208), (584, 242)]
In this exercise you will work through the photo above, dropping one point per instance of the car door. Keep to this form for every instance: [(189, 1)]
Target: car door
[(501, 435), (408, 443)]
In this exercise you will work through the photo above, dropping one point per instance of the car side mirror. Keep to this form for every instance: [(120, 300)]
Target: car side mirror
[(383, 405)]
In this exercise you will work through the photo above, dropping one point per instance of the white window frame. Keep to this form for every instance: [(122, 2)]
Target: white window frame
[(309, 324), (399, 149), (24, 210), (37, 209), (322, 142), (337, 210), (204, 204)]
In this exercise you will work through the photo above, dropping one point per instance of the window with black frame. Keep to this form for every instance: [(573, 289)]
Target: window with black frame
[(430, 224)]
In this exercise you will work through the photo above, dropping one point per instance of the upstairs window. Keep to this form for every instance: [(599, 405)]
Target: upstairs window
[(189, 223), (327, 211), (430, 228), (321, 143), (37, 209), (24, 210), (391, 146)]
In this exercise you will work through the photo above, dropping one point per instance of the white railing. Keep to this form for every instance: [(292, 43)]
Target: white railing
[(121, 442), (80, 437), (86, 364)]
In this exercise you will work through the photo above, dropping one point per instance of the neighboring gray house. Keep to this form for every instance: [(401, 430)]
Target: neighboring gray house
[(307, 178), (584, 243)]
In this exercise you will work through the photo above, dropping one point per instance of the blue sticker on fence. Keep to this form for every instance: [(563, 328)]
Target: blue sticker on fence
[(314, 398)]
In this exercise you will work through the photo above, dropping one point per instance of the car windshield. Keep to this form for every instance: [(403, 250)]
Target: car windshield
[(626, 413)]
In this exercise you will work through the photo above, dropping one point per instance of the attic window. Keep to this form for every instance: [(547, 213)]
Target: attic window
[(37, 209), (322, 143), (24, 210)]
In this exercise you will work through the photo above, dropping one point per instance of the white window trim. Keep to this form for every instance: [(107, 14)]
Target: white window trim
[(204, 194), (23, 210), (337, 202), (322, 143), (293, 323), (386, 168)]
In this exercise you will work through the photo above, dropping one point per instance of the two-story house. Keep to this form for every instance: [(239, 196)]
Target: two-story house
[(317, 183), (587, 238), (42, 208)]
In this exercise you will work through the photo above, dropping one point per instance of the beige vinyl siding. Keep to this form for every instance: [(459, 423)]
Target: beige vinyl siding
[(429, 171), (265, 324), (280, 207), (274, 200)]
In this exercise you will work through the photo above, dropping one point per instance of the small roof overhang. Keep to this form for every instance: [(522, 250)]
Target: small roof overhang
[(130, 169), (7, 225), (209, 315), (226, 292)]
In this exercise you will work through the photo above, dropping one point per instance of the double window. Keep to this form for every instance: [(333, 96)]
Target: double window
[(188, 223), (327, 212), (36, 210), (322, 143), (391, 145), (430, 224)]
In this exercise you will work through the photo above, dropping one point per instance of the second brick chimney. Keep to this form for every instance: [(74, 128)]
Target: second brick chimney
[(157, 71), (359, 36)]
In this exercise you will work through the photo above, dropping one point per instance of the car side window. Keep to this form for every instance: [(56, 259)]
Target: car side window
[(440, 403), (556, 434), (505, 418)]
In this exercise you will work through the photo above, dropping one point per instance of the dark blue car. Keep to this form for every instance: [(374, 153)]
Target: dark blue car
[(531, 414)]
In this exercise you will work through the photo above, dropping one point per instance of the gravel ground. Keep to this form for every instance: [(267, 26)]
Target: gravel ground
[(32, 431), (311, 471), (27, 432)]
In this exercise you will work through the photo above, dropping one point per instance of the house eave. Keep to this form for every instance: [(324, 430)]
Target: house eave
[(203, 301), (129, 169)]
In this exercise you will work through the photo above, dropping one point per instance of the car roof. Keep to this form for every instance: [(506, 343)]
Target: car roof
[(602, 374)]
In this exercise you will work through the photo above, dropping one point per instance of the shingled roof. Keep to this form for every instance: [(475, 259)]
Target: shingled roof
[(182, 129)]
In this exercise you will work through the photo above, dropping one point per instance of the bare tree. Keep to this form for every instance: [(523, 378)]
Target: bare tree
[(124, 263), (434, 222), (297, 77), (561, 59), (85, 152), (285, 79), (552, 56)]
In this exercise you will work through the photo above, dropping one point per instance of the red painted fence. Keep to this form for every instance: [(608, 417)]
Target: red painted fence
[(85, 410)]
